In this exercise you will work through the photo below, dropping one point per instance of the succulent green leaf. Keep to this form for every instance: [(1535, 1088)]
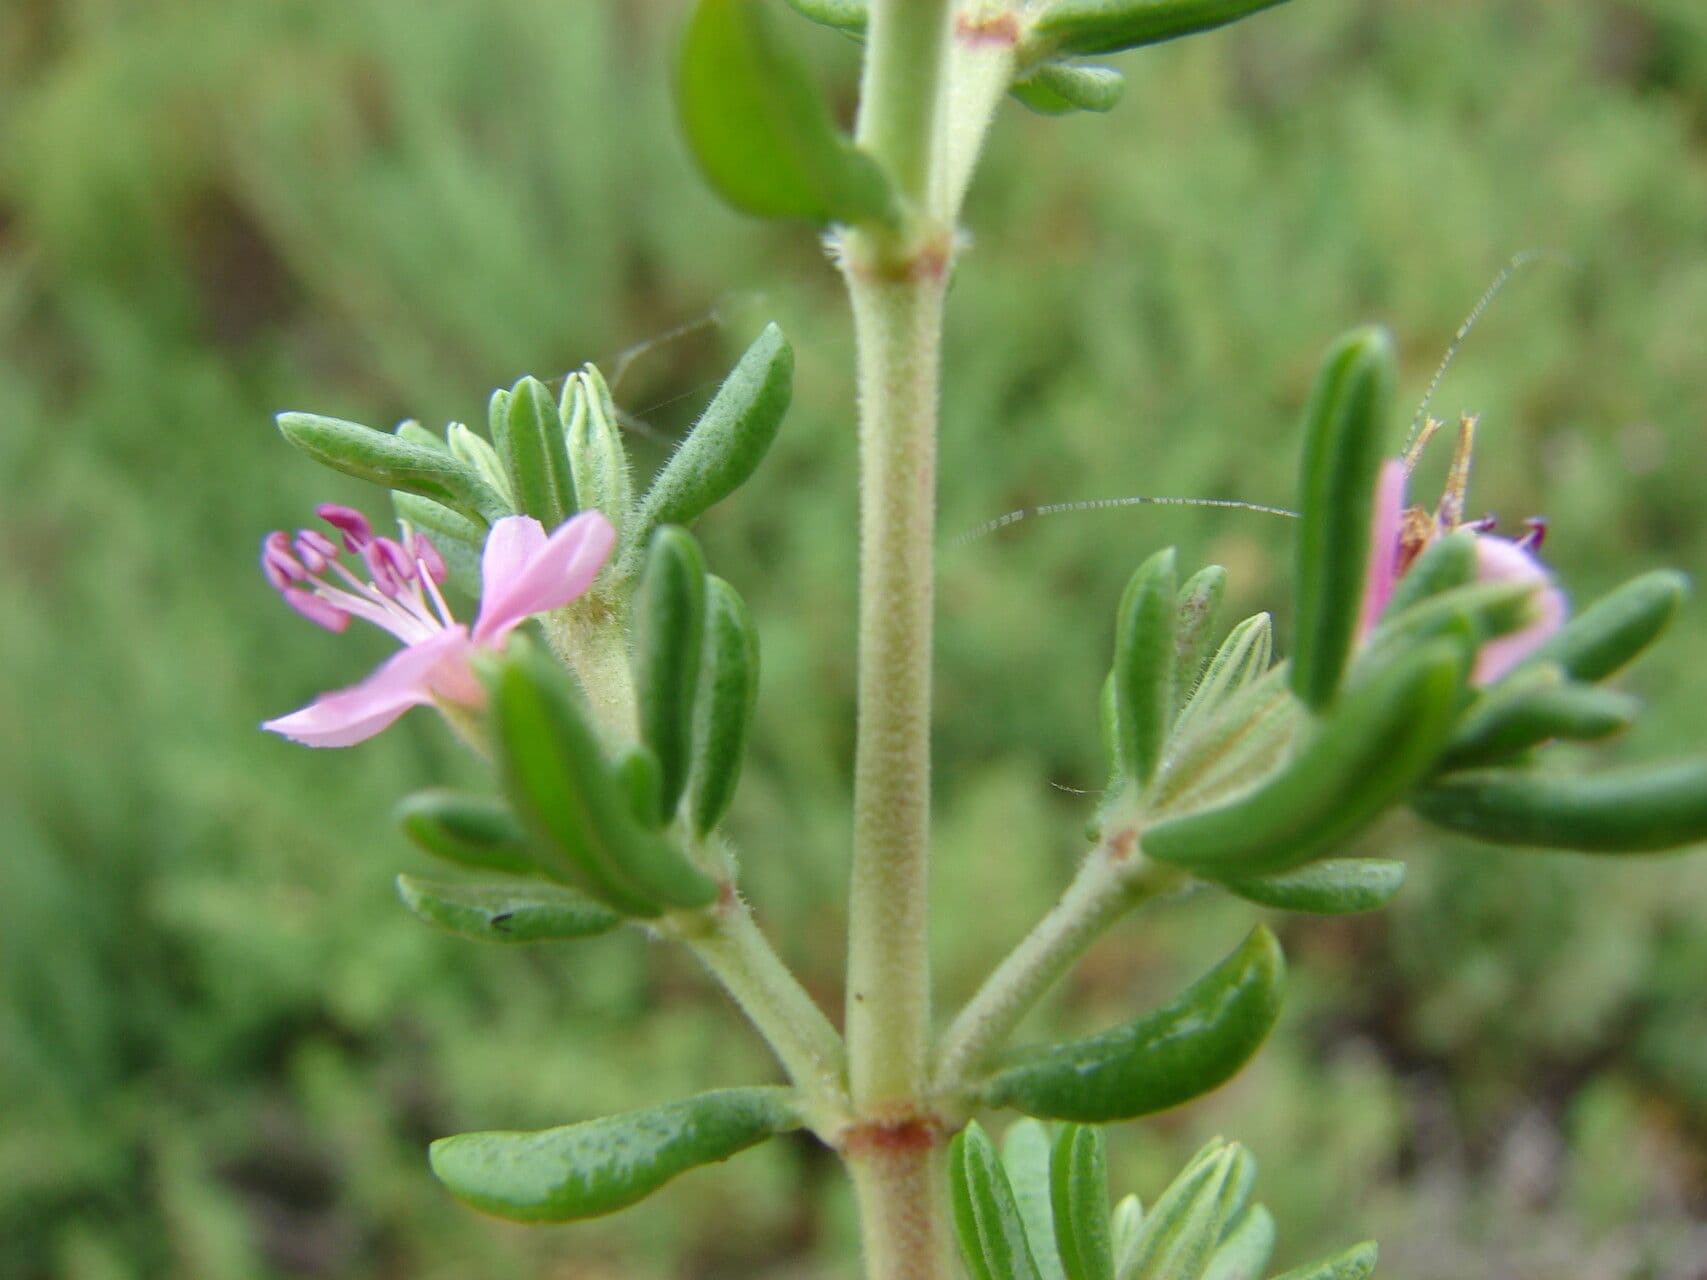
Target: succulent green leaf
[(1025, 1156), (1617, 627), (1342, 452), (1445, 563), (1245, 1250), (568, 795), (1369, 751), (506, 912), (1057, 88), (758, 127), (535, 455), (1335, 887), (1078, 1184), (1637, 809), (1356, 1263), (669, 630), (599, 1166), (986, 1215), (730, 439), (471, 831), (1108, 722), (598, 462), (1108, 26), (1533, 706), (394, 463), (1183, 1228), (1159, 1060), (642, 782), (844, 15), (1199, 601), (1144, 663), (723, 711)]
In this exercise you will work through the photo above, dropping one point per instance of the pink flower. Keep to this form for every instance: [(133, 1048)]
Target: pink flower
[(522, 572), (1398, 535)]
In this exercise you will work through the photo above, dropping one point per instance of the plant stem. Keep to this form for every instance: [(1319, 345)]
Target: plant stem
[(924, 107), (898, 92), (898, 327), (1109, 884), (902, 1190), (729, 943)]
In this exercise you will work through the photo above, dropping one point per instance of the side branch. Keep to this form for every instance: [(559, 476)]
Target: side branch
[(1113, 879)]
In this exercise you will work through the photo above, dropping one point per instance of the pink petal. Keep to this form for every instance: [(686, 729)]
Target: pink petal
[(1382, 569), (1501, 560), (515, 586), (406, 679)]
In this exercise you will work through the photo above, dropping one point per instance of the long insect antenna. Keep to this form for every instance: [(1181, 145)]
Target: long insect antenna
[(1105, 504), (1517, 263)]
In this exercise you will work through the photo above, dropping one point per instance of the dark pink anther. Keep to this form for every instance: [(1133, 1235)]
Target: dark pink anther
[(277, 563), (381, 567), (1537, 526), (427, 556), (315, 549), (1487, 524), (320, 612), (347, 521)]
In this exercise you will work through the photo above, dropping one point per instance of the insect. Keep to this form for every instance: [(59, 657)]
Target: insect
[(1419, 525)]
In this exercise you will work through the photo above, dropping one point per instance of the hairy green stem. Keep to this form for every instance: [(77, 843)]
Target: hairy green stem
[(1113, 880), (730, 944), (900, 1179), (591, 637), (898, 327), (905, 44)]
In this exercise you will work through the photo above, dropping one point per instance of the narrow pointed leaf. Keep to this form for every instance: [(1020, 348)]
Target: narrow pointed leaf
[(471, 831), (599, 1166), (1538, 711), (597, 460), (1617, 627), (1356, 1263), (730, 439), (1243, 656), (1245, 1251), (758, 127), (1108, 26), (535, 455), (571, 799), (987, 1217), (723, 713), (1444, 564), (1057, 88), (506, 912), (1199, 601), (1333, 888), (1125, 1226), (1342, 450), (394, 463), (1078, 1183), (1363, 757), (1144, 663), (415, 433), (1025, 1156), (1159, 1060), (1638, 809), (669, 630), (844, 15), (1183, 1227)]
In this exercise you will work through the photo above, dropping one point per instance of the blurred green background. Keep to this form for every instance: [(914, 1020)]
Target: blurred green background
[(222, 1045)]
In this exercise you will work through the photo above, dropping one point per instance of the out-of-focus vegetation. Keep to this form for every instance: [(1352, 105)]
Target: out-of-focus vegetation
[(222, 1045)]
